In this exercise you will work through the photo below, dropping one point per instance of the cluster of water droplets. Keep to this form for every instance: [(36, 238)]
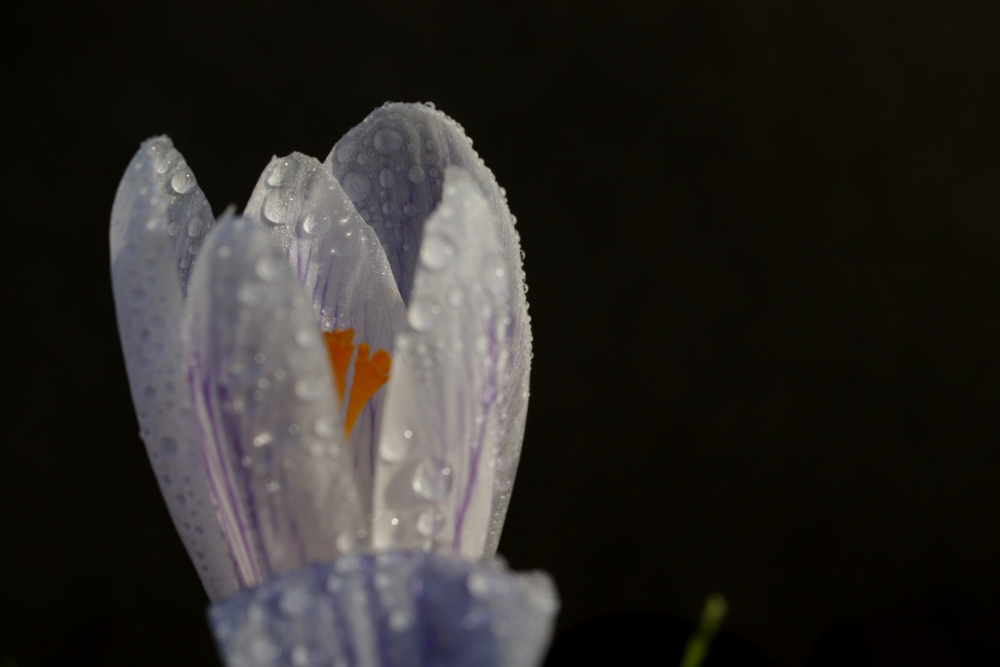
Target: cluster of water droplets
[(148, 280), (189, 215), (265, 401), (435, 481), (411, 609)]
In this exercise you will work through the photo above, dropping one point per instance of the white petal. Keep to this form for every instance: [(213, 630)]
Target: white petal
[(149, 305), (189, 215), (454, 418), (342, 267), (264, 404)]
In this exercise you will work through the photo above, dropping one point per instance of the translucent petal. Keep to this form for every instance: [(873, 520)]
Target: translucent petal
[(149, 306), (392, 167), (407, 609), (342, 267), (189, 215), (264, 406), (454, 417)]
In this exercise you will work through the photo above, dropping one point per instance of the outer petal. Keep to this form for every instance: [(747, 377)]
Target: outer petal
[(456, 405), (264, 406), (149, 305), (342, 267), (189, 215)]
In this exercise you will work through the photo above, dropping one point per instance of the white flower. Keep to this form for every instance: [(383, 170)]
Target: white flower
[(256, 347)]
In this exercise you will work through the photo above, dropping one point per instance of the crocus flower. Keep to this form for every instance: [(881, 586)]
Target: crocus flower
[(342, 368)]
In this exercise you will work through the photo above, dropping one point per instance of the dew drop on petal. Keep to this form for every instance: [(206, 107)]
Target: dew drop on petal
[(274, 209), (417, 174), (168, 446), (423, 313), (386, 179), (397, 446), (387, 141), (346, 151), (432, 478), (316, 223), (267, 268), (196, 226), (430, 522), (280, 173), (182, 181), (437, 251)]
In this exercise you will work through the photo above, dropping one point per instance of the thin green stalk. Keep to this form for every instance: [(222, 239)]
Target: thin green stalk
[(701, 639)]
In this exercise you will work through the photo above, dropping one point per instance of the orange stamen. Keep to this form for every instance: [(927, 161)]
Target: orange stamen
[(339, 349), (369, 375)]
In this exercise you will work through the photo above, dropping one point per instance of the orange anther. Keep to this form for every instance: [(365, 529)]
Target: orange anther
[(369, 375), (339, 349)]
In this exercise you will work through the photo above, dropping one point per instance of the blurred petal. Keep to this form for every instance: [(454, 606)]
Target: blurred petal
[(454, 416), (407, 609), (189, 215), (264, 405), (342, 267), (149, 305)]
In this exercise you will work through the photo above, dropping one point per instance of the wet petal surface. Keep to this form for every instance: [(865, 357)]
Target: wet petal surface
[(189, 215), (345, 273), (264, 405), (149, 305), (454, 417)]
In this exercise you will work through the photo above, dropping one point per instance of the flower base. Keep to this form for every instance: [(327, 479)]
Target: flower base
[(390, 609)]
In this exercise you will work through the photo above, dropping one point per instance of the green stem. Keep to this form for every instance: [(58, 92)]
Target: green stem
[(701, 639)]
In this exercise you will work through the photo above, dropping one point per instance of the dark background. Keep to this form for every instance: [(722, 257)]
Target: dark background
[(762, 244)]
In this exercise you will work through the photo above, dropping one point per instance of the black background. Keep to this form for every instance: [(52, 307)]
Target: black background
[(762, 247)]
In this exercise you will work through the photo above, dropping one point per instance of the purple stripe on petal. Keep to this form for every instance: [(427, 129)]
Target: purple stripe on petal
[(447, 419), (149, 304), (261, 386), (341, 266)]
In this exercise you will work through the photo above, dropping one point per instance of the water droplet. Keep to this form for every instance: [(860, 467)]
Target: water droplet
[(432, 478), (430, 522), (417, 174), (386, 179), (280, 173), (182, 181), (397, 446), (166, 163), (423, 313), (274, 209), (316, 223), (409, 208), (387, 141), (263, 439), (479, 584), (345, 151), (310, 388), (173, 228), (324, 427), (295, 601), (300, 656), (268, 268), (455, 297), (356, 185), (437, 251), (399, 619), (168, 446), (346, 542), (388, 208)]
